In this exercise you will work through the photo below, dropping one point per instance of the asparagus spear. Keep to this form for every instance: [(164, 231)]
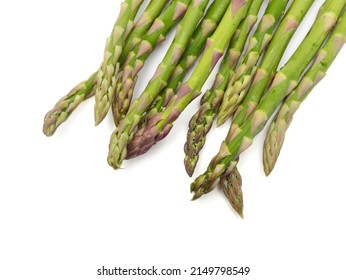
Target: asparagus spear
[(277, 130), (236, 89), (107, 73), (136, 58), (66, 105), (271, 60), (127, 126), (84, 90), (205, 28), (159, 126), (283, 83), (231, 185), (202, 121), (142, 25)]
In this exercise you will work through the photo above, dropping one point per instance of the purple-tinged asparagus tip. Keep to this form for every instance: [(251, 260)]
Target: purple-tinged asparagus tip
[(232, 189)]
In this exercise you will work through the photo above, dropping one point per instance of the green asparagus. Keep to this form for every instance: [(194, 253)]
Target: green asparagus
[(107, 74), (238, 85), (136, 58), (270, 62), (84, 90), (202, 121), (127, 126), (231, 185), (160, 124), (205, 28), (272, 57), (277, 130), (283, 83), (142, 25), (250, 86), (66, 105)]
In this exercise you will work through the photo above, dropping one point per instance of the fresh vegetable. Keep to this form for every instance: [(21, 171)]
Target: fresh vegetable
[(202, 121), (86, 89), (107, 74), (248, 86), (239, 83), (159, 125), (205, 28), (283, 83), (317, 71), (137, 57), (126, 129)]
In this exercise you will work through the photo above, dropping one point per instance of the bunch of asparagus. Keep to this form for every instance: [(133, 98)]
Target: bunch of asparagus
[(248, 88)]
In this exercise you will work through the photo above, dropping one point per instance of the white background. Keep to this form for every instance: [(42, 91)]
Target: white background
[(64, 212)]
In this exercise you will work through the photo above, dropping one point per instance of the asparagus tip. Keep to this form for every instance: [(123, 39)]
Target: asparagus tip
[(189, 168), (220, 120), (267, 172), (114, 164), (48, 130), (197, 195), (231, 185), (98, 119)]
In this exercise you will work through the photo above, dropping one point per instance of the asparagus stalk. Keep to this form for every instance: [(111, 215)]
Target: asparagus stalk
[(236, 89), (159, 126), (231, 185), (127, 126), (136, 58), (204, 30), (283, 83), (107, 74), (66, 105), (277, 130), (84, 90), (203, 119), (269, 64), (271, 60), (142, 25)]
